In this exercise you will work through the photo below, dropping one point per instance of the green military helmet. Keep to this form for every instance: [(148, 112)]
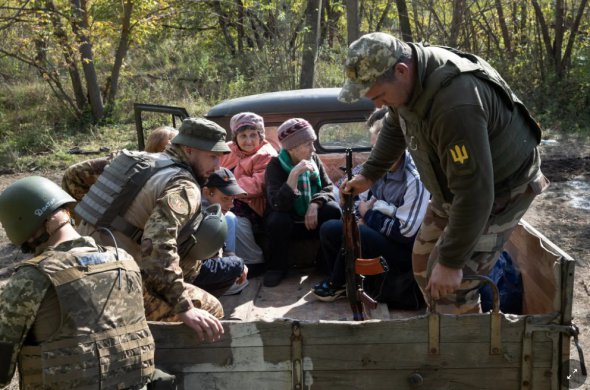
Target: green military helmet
[(27, 203), (209, 237)]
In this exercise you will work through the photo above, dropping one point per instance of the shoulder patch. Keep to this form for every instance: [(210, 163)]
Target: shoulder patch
[(460, 159), (178, 204)]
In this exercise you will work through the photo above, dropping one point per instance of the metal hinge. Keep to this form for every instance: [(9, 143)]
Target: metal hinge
[(527, 348), (296, 357)]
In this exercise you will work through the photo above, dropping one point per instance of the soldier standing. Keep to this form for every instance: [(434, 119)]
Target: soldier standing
[(68, 313), (161, 211), (473, 142)]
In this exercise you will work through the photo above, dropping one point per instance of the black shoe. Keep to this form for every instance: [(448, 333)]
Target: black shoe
[(326, 292), (273, 278)]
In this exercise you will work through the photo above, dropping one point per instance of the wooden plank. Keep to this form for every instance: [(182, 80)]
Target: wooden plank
[(539, 268), (345, 359), (293, 299), (451, 379), (233, 381), (455, 379), (239, 306), (236, 334), (267, 358), (350, 357), (415, 355), (474, 328)]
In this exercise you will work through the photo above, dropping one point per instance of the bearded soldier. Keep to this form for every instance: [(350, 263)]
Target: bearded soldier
[(474, 144), (152, 204)]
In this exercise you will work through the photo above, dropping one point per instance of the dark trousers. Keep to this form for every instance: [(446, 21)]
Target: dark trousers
[(218, 274), (395, 286), (282, 228)]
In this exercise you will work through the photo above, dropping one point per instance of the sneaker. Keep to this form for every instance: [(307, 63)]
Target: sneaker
[(236, 288), (326, 292)]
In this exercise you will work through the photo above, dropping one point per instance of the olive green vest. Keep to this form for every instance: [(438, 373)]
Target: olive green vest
[(414, 122), (103, 340)]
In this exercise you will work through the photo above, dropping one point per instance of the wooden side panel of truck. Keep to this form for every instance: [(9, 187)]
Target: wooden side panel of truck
[(429, 351)]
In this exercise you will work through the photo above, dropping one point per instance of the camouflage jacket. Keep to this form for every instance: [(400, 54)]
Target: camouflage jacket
[(174, 207)]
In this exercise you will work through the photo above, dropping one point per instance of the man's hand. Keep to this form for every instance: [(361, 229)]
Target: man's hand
[(242, 278), (354, 186), (311, 216), (443, 281), (205, 324)]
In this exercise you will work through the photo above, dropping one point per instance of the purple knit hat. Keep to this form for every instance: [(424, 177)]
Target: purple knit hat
[(294, 132), (244, 120)]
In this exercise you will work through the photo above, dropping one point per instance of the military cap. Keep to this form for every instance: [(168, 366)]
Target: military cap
[(203, 134), (368, 58)]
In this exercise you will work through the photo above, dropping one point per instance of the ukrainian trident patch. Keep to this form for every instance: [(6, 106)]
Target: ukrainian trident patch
[(460, 159), (459, 154)]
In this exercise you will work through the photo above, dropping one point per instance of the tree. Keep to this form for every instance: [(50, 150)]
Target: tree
[(58, 37), (352, 20), (404, 20), (79, 23), (558, 56), (310, 44)]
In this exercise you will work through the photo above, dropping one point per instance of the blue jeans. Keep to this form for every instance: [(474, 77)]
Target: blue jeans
[(283, 227), (218, 274), (230, 241), (395, 286)]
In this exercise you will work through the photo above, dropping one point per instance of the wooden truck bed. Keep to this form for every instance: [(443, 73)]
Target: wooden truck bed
[(281, 338)]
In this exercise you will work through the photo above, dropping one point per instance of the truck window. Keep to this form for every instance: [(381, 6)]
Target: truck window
[(334, 136)]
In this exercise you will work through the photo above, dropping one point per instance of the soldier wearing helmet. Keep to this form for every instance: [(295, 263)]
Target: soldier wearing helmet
[(156, 217), (67, 313)]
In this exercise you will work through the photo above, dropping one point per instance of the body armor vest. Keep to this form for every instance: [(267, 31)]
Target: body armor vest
[(103, 340), (110, 197), (413, 122)]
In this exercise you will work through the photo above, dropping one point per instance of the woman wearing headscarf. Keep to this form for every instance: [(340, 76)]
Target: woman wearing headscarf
[(249, 156), (299, 193)]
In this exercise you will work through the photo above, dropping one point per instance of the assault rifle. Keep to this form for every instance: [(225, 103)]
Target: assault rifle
[(351, 251)]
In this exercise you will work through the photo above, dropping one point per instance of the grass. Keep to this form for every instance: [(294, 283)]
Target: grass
[(37, 133)]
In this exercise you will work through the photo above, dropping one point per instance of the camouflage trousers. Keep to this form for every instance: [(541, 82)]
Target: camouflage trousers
[(158, 310), (506, 212)]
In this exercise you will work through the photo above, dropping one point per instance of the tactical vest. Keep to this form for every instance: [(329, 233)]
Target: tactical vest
[(116, 188), (415, 121), (103, 340)]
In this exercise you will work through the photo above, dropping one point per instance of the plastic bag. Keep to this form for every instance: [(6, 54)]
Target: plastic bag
[(509, 281)]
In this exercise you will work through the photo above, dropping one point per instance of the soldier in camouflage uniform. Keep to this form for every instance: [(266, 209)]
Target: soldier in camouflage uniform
[(167, 204), (72, 317), (473, 142)]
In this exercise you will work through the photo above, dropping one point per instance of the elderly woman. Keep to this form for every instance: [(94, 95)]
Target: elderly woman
[(249, 156), (299, 192)]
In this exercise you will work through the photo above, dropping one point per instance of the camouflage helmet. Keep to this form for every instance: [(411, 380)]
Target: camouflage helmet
[(208, 238), (368, 58), (27, 203)]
